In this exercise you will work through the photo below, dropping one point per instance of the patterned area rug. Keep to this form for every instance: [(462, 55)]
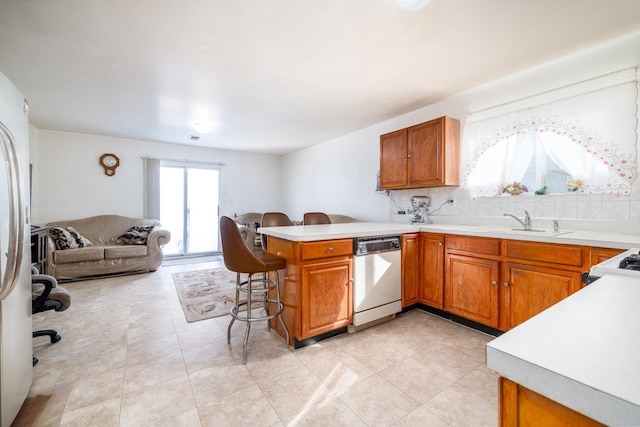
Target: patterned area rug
[(205, 293)]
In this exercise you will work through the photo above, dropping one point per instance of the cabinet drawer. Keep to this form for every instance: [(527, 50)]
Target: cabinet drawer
[(327, 248), (599, 255), (545, 252), (479, 245)]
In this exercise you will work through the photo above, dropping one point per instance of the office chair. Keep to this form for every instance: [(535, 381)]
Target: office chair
[(47, 295)]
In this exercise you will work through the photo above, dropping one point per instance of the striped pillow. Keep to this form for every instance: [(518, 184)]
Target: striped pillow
[(136, 235), (68, 238)]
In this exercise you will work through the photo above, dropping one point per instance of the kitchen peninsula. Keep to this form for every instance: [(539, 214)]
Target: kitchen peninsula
[(582, 354), (317, 288)]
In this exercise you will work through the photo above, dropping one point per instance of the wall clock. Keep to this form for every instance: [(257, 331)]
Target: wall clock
[(109, 162)]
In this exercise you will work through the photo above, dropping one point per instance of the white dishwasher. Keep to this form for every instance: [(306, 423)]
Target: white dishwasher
[(377, 288)]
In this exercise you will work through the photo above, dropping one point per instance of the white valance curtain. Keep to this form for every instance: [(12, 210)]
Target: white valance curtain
[(589, 129)]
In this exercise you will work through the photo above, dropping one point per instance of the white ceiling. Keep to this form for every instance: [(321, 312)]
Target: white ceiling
[(275, 76)]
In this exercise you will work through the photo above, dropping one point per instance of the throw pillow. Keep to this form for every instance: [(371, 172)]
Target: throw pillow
[(82, 241), (62, 238), (68, 238), (136, 235)]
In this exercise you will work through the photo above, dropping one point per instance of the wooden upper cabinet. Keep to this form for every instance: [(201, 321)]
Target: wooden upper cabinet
[(424, 155), (393, 160)]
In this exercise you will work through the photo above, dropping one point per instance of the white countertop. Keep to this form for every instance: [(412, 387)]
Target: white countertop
[(306, 233), (583, 352)]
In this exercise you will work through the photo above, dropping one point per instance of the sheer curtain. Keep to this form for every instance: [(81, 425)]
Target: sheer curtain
[(151, 168), (499, 160), (589, 129)]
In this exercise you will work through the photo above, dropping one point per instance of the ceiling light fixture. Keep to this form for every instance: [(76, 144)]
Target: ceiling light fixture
[(412, 4)]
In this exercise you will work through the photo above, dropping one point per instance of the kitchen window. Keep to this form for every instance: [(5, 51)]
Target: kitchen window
[(580, 138)]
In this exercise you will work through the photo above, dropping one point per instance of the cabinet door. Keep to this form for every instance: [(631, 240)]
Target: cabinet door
[(410, 269), (528, 290), (521, 407), (471, 288), (393, 160), (426, 159), (326, 296), (431, 289), (599, 255)]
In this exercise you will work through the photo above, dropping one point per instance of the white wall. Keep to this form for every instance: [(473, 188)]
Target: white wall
[(339, 176), (70, 183)]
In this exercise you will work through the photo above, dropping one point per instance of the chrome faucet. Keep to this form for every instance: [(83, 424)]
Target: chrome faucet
[(527, 220)]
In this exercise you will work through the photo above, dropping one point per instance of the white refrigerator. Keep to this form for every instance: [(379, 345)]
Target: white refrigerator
[(16, 347)]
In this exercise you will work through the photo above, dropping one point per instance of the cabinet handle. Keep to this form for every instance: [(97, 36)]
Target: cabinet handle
[(330, 249), (494, 283), (506, 284), (409, 155), (440, 244)]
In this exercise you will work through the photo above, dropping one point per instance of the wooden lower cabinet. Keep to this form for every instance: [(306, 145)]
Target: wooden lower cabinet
[(471, 288), (423, 269), (501, 283), (599, 255), (316, 287), (431, 282), (521, 407), (410, 269), (326, 297), (528, 290)]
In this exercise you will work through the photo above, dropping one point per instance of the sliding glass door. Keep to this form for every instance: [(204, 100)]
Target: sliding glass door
[(189, 197)]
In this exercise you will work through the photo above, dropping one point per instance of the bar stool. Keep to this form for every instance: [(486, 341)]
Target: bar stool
[(273, 219), (312, 218), (240, 259)]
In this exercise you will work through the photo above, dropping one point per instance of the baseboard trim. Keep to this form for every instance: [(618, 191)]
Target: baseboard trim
[(454, 318)]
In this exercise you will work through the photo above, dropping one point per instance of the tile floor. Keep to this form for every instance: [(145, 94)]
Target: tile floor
[(129, 358)]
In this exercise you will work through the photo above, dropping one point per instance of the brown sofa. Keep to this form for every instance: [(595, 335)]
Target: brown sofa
[(102, 249)]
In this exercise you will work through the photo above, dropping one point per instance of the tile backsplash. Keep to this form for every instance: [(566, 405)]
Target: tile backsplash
[(596, 212)]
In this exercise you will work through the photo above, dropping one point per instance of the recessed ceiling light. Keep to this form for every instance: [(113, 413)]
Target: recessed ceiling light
[(412, 4)]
